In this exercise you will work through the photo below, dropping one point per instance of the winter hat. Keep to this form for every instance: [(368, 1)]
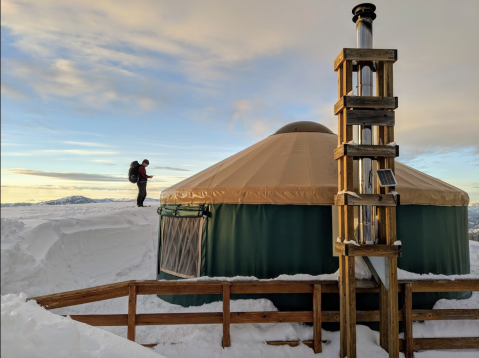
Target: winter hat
[(145, 161)]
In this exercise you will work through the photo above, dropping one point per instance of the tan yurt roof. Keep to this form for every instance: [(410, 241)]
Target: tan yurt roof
[(296, 166)]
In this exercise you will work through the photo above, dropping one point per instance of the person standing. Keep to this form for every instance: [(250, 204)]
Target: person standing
[(142, 180)]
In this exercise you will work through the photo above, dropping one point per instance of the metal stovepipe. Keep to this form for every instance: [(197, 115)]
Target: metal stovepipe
[(363, 17)]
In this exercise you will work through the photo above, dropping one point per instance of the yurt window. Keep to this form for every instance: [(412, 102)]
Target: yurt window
[(181, 246)]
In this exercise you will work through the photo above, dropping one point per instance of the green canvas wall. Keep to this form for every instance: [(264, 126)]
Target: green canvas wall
[(266, 241)]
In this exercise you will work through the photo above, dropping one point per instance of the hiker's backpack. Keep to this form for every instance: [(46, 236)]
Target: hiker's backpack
[(133, 172)]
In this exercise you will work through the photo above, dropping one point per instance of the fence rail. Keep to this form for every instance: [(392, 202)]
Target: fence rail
[(225, 288)]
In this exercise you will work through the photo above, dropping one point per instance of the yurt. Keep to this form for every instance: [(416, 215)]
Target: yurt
[(268, 211)]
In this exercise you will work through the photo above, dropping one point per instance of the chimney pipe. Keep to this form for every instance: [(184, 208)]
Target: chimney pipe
[(363, 17)]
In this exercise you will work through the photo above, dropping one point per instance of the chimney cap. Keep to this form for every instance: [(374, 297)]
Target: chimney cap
[(364, 10)]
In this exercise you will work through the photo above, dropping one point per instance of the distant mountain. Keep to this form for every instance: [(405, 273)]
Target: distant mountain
[(16, 204), (76, 199)]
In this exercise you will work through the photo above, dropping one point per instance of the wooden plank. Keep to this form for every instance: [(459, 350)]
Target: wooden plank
[(388, 92), (381, 164), (445, 285), (391, 233), (284, 343), (351, 305), (111, 320), (446, 314), (343, 345), (361, 316), (368, 250), (290, 343), (271, 287), (367, 117), (132, 313), (272, 317), (365, 102), (160, 319), (102, 320), (407, 319), (383, 318), (178, 288), (226, 315), (367, 199), (446, 343), (348, 169), (317, 319), (365, 151), (393, 317), (365, 54), (85, 295)]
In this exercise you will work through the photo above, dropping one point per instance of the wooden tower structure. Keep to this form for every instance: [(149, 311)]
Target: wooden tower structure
[(373, 112)]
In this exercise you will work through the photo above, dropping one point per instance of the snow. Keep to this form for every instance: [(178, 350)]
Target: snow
[(55, 248), (29, 330)]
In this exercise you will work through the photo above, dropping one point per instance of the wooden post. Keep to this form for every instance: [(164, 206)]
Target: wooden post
[(383, 318), (343, 333), (351, 305), (317, 319), (131, 312), (226, 315), (407, 320), (393, 314)]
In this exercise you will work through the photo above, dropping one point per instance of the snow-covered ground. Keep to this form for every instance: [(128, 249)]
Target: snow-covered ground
[(47, 249)]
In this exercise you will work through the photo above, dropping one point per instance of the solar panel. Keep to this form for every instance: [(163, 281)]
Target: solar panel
[(386, 177)]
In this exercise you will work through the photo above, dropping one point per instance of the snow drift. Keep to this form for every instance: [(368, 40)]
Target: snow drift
[(29, 330), (56, 251)]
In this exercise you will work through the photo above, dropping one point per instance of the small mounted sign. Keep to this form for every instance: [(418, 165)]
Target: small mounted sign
[(386, 177)]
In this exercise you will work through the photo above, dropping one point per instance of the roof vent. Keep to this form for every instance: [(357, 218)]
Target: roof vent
[(304, 126)]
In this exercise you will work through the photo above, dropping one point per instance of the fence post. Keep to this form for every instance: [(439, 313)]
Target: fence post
[(407, 319), (226, 315), (317, 319), (131, 312), (343, 343)]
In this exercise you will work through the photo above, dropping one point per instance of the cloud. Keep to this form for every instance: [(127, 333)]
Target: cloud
[(16, 154), (250, 66), (67, 176), (171, 168), (89, 144), (11, 91), (77, 152)]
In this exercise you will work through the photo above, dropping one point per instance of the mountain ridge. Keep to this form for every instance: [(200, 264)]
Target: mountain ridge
[(74, 199)]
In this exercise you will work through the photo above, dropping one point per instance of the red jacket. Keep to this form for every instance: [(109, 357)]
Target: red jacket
[(142, 177)]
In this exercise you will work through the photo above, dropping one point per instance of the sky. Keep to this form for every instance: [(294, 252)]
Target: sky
[(90, 86)]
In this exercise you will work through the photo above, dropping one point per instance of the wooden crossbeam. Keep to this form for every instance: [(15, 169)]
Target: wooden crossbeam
[(366, 151), (367, 199), (365, 54), (368, 117), (368, 250), (445, 343), (365, 102)]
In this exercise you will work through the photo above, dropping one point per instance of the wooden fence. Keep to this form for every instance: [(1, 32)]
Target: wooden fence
[(134, 288)]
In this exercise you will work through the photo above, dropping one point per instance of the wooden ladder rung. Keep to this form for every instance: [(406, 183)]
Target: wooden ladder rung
[(365, 102), (366, 151)]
